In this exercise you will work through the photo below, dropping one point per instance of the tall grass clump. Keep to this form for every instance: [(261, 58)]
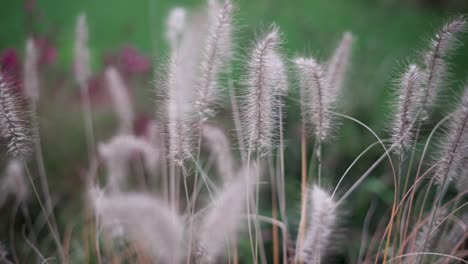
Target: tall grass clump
[(187, 185)]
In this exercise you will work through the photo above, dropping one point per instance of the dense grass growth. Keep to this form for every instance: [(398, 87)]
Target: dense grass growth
[(77, 157)]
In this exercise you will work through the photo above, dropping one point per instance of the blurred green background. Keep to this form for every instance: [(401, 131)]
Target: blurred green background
[(389, 34)]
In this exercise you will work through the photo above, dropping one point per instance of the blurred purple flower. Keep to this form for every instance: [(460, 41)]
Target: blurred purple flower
[(141, 125), (29, 6), (97, 90), (129, 61), (47, 51), (133, 61), (11, 67)]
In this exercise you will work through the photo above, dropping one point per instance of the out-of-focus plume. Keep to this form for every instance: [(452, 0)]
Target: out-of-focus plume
[(175, 26), (337, 66), (31, 79), (220, 147), (141, 219), (117, 153), (82, 70), (121, 99), (322, 223), (225, 215), (14, 183)]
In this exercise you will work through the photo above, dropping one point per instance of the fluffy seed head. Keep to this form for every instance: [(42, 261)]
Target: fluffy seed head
[(117, 153), (462, 181), (407, 104), (82, 70), (322, 222), (175, 25), (31, 79), (216, 54), (13, 122), (337, 66), (121, 99), (225, 214), (317, 97), (179, 111), (455, 145), (220, 148), (264, 86), (429, 234), (142, 219), (179, 93), (14, 182), (435, 60)]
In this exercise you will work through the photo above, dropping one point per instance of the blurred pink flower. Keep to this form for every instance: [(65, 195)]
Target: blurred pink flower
[(11, 67), (47, 51), (141, 125), (97, 90), (29, 6), (133, 61), (129, 61)]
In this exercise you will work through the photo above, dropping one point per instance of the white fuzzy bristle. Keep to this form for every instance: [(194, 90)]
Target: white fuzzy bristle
[(408, 103), (175, 26), (14, 122), (454, 146), (225, 214), (322, 223), (120, 99), (14, 182), (117, 153), (216, 55), (220, 148), (31, 79), (435, 60), (265, 85), (82, 67), (318, 97), (337, 66), (142, 219)]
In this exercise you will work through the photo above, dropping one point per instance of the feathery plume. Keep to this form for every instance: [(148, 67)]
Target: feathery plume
[(429, 234), (31, 79), (322, 222), (462, 181), (14, 183), (216, 54), (225, 214), (264, 86), (407, 105), (449, 241), (121, 99), (179, 93), (337, 66), (180, 117), (13, 122), (221, 150), (118, 151), (142, 219), (454, 146), (82, 70), (175, 26), (318, 97), (441, 46)]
